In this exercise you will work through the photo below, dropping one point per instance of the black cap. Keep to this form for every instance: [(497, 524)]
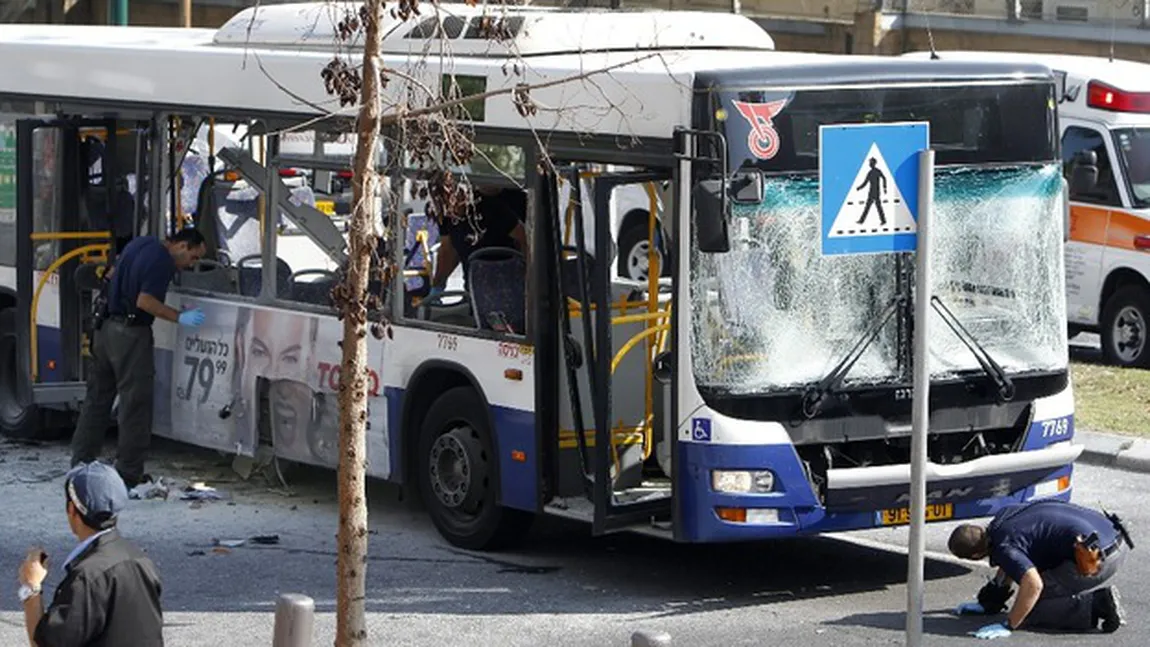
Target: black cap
[(98, 493)]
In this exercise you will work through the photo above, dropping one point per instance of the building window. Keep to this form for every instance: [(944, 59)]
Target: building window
[(1072, 14)]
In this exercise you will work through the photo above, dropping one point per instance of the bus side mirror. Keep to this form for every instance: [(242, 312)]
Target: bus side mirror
[(1084, 172), (747, 187), (711, 217)]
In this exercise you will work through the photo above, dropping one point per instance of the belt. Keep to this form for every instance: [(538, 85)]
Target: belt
[(131, 322)]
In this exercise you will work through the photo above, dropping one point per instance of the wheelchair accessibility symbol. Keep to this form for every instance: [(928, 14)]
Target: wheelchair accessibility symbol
[(701, 429)]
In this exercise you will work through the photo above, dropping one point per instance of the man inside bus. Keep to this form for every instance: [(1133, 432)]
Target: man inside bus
[(1060, 554), (122, 348), (499, 223)]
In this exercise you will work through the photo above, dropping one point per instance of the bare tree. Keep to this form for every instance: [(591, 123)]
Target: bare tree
[(433, 133)]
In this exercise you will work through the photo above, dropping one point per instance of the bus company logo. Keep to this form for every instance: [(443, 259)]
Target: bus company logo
[(763, 140)]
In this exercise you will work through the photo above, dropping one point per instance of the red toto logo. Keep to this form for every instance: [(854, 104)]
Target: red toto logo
[(763, 140), (329, 377)]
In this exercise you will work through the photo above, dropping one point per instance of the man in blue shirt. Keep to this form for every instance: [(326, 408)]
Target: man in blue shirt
[(1033, 545), (122, 348)]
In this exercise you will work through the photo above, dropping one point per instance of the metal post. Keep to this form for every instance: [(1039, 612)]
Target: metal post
[(118, 12), (921, 416), (186, 13), (295, 615)]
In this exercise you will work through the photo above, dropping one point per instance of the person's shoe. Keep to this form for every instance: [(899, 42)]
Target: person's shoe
[(1108, 604)]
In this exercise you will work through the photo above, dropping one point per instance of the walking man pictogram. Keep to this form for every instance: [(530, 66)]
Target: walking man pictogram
[(874, 178)]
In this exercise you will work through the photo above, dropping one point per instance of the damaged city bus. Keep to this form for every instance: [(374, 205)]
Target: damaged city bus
[(754, 389)]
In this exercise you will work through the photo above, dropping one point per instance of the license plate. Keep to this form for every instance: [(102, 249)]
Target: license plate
[(326, 206), (934, 512)]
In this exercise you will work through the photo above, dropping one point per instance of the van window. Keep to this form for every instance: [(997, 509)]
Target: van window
[(1076, 139), (1134, 149)]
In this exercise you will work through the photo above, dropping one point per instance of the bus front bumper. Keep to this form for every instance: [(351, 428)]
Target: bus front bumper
[(856, 498)]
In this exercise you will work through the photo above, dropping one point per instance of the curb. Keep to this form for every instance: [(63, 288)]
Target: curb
[(1112, 450)]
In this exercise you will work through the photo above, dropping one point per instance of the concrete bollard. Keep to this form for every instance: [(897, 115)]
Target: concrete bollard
[(295, 616), (650, 639)]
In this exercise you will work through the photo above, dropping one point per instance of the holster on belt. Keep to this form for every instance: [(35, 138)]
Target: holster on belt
[(1087, 555)]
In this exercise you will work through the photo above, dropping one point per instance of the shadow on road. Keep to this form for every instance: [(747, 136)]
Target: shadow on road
[(937, 623)]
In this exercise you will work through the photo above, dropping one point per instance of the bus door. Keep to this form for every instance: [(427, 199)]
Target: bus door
[(608, 416), (73, 204)]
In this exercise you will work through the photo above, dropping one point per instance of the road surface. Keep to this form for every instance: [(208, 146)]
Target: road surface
[(563, 588)]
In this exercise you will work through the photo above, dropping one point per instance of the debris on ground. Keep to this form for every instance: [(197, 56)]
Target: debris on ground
[(149, 490), (229, 543), (200, 492), (266, 540)]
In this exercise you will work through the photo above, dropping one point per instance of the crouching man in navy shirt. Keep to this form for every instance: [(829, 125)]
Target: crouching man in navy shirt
[(1061, 555), (122, 348)]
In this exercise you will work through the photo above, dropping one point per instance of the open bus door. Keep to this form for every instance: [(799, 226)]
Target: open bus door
[(72, 203), (608, 397)]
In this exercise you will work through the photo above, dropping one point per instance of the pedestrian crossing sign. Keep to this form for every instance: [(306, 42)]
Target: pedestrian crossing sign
[(868, 186)]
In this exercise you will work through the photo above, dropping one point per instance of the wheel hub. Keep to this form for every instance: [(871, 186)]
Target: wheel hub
[(638, 263), (457, 469), (1129, 334)]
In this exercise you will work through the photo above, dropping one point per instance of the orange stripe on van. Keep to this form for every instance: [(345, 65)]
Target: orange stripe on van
[(1109, 227), (1088, 224), (1123, 228)]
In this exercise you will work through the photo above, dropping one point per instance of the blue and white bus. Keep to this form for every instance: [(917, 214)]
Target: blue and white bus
[(749, 387)]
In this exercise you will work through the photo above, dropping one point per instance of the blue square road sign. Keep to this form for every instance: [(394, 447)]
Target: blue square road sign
[(868, 186)]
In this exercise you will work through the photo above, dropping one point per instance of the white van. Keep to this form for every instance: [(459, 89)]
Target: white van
[(1104, 110)]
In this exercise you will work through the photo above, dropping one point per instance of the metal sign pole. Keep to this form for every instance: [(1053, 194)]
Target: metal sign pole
[(921, 416)]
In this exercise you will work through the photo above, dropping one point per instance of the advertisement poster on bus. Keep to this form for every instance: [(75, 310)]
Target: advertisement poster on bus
[(7, 190), (293, 359), (203, 408)]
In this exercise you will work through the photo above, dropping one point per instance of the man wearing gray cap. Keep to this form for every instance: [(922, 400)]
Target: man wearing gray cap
[(111, 591)]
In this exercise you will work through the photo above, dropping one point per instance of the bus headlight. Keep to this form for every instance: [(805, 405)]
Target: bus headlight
[(743, 482)]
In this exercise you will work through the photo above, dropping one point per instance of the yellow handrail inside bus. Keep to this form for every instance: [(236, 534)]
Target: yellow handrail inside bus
[(52, 269), (69, 235)]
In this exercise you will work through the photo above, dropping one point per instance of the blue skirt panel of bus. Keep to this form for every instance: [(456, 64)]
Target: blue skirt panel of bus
[(799, 512)]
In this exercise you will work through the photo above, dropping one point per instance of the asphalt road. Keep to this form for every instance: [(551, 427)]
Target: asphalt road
[(564, 588)]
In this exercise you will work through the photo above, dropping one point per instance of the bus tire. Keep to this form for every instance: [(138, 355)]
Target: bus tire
[(19, 416), (457, 470), (1126, 327)]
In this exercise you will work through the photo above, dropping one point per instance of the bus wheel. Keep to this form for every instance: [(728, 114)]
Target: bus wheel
[(457, 475), (1125, 321), (19, 417)]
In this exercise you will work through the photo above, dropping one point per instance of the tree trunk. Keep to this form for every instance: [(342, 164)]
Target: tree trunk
[(351, 565)]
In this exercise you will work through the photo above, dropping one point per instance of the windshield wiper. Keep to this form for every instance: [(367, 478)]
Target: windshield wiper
[(814, 397), (989, 366)]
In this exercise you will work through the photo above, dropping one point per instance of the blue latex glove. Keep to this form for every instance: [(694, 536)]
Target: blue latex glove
[(990, 632), (192, 318), (972, 608)]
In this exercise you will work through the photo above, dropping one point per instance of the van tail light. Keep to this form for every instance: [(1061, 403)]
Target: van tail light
[(1142, 242)]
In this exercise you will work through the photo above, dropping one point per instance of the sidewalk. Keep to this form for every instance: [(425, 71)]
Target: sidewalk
[(1113, 450)]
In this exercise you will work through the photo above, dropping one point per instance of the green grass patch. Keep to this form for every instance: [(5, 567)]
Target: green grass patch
[(1111, 399)]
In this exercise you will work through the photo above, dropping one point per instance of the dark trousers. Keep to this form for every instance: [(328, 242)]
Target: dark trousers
[(122, 364), (1067, 598)]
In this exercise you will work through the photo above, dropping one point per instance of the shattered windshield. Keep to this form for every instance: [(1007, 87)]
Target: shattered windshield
[(1133, 146), (775, 314)]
